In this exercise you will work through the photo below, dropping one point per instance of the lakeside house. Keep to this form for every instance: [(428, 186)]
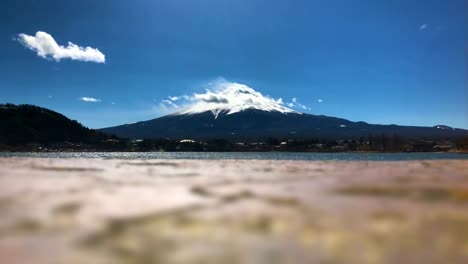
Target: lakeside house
[(187, 141)]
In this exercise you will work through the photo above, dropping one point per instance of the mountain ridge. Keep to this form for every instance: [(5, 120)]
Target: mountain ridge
[(236, 111), (258, 124)]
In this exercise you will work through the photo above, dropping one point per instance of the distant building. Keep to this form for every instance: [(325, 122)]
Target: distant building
[(442, 147), (187, 141)]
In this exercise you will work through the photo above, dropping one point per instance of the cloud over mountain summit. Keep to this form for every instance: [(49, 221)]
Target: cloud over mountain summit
[(227, 97)]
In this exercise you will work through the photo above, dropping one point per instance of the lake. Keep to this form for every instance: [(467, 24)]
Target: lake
[(240, 155)]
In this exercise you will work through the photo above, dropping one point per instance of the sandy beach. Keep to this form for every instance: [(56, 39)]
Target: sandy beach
[(232, 211)]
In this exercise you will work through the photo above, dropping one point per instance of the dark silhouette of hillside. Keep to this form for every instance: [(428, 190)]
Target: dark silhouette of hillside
[(27, 124)]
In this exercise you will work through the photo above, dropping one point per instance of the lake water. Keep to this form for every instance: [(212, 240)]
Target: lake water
[(240, 155)]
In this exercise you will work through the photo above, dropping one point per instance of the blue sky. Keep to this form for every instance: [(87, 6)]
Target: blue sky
[(389, 62)]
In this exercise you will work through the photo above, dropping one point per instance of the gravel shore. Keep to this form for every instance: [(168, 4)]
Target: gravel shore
[(232, 211)]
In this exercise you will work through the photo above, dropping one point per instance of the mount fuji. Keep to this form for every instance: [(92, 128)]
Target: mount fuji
[(234, 98), (237, 111)]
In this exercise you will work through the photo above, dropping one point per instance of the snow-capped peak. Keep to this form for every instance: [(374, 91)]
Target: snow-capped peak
[(232, 98)]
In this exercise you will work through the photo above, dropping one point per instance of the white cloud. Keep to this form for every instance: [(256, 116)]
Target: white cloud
[(46, 47), (90, 99), (423, 27), (164, 108), (295, 103), (173, 98), (319, 100), (210, 97), (169, 102)]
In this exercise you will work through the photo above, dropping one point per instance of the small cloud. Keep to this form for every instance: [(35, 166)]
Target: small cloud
[(113, 103), (295, 103), (50, 96), (423, 27), (90, 100), (169, 102), (210, 97), (165, 107), (173, 98), (279, 101), (319, 100), (46, 47)]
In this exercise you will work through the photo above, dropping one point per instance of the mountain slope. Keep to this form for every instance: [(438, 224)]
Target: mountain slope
[(22, 124), (256, 124)]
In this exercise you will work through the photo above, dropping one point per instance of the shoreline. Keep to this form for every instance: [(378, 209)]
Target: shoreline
[(253, 151)]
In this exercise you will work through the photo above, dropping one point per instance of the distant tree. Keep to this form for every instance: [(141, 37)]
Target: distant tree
[(272, 141), (462, 143)]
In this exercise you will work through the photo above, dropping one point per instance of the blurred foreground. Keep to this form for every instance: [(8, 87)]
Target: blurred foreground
[(221, 211)]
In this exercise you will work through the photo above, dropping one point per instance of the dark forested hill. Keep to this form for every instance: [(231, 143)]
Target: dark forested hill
[(25, 124)]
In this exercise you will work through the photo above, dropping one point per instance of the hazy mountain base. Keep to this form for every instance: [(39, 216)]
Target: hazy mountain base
[(159, 211)]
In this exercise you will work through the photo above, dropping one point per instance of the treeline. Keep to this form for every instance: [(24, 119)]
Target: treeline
[(373, 143), (379, 143)]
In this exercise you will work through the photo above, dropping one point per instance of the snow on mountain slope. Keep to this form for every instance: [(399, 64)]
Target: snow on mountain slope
[(233, 98)]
